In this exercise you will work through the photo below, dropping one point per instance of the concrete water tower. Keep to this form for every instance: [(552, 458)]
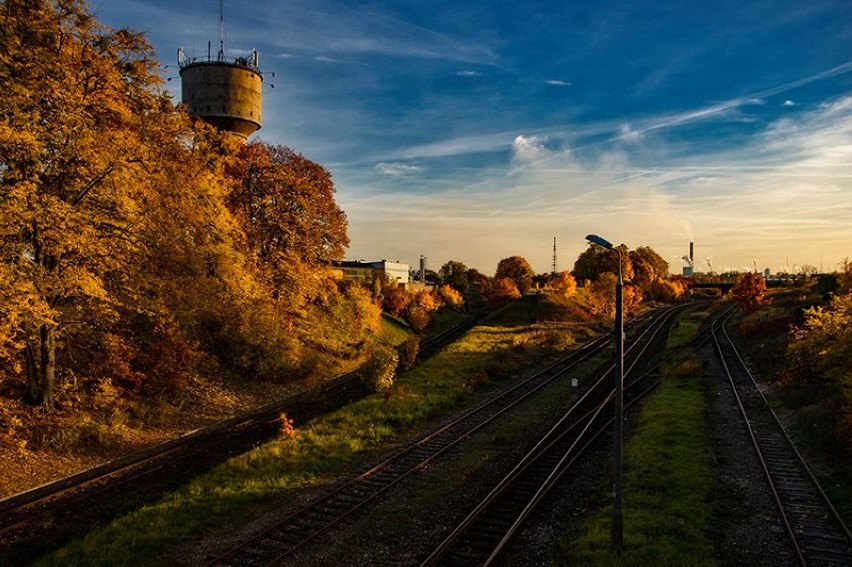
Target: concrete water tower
[(226, 93)]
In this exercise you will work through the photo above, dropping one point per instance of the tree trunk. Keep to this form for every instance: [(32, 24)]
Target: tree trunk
[(48, 363), (34, 394), (41, 367)]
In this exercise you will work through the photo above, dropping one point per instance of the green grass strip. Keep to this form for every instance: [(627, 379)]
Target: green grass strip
[(318, 453), (669, 484)]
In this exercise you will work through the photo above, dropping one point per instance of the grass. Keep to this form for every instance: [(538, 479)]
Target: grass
[(391, 524), (684, 328), (393, 331), (317, 454), (669, 484)]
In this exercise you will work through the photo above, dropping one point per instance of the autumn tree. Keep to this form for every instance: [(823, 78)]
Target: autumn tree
[(658, 264), (143, 241), (516, 269), (667, 290), (503, 291), (455, 273), (596, 260), (479, 282), (564, 283), (451, 296), (395, 300), (749, 291), (845, 278), (420, 310), (601, 300), (285, 206), (78, 99)]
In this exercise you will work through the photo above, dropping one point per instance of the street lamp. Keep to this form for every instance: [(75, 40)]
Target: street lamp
[(617, 514)]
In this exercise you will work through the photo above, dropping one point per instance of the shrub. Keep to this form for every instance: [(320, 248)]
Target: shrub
[(503, 292), (451, 296), (408, 352), (287, 429), (564, 283), (380, 370)]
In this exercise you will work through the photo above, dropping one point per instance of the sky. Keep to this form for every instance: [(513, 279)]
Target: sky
[(478, 130)]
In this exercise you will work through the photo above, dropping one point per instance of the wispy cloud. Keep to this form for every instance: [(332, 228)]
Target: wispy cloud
[(332, 27), (397, 169), (792, 177), (558, 83), (468, 73)]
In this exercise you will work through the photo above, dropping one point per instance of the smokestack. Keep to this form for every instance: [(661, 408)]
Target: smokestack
[(691, 256)]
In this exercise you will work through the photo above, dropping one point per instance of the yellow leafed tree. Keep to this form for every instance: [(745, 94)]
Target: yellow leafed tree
[(70, 119)]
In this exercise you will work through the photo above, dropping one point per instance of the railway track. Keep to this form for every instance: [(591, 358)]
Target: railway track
[(37, 520), (485, 532), (279, 543), (33, 521), (816, 531), (433, 343)]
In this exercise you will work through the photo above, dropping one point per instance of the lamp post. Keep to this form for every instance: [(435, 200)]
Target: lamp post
[(617, 514)]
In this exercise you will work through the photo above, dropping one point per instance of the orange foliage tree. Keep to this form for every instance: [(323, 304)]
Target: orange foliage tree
[(602, 296), (596, 260), (749, 291), (564, 283), (819, 361), (518, 270), (421, 309), (285, 206), (503, 291), (451, 297)]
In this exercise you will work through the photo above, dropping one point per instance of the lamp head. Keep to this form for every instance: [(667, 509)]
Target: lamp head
[(595, 239)]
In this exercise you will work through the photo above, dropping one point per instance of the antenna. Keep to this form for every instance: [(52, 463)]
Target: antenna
[(221, 30), (554, 255)]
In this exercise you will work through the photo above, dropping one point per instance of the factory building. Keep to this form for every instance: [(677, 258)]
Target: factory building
[(362, 271)]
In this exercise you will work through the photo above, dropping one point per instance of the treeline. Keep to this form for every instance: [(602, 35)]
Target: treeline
[(140, 249), (645, 274)]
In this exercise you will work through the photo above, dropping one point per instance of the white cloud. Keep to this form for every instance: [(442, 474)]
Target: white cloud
[(558, 83), (628, 134), (528, 148), (468, 73), (397, 169), (789, 102)]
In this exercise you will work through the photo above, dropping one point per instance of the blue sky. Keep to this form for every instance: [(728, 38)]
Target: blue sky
[(477, 130)]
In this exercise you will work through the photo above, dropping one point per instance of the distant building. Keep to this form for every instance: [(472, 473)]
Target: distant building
[(364, 272)]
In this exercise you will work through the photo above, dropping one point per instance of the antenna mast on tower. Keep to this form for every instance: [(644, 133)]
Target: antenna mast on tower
[(221, 30), (554, 255)]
